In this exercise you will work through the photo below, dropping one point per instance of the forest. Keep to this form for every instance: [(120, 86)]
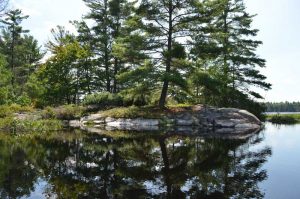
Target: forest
[(282, 106), (140, 53)]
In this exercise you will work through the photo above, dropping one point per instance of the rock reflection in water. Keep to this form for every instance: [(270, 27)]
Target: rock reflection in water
[(131, 165)]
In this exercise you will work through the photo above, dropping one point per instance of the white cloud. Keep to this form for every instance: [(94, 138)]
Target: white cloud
[(47, 14), (27, 9)]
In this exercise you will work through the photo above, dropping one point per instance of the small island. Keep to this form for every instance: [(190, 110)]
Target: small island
[(197, 119), (149, 99), (137, 66)]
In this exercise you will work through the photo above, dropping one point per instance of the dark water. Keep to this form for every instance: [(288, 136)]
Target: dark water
[(150, 165)]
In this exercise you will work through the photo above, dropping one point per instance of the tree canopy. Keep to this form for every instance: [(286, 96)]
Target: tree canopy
[(147, 52)]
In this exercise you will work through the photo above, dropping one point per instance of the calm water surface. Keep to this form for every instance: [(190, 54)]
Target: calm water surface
[(150, 165), (282, 113)]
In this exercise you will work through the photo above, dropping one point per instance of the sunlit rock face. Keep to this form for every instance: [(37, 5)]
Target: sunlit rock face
[(192, 120)]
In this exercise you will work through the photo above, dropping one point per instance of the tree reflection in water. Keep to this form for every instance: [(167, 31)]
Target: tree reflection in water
[(131, 165)]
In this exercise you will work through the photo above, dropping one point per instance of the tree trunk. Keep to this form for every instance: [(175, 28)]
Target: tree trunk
[(165, 87), (226, 96), (106, 51), (107, 72), (88, 76), (115, 75), (13, 61)]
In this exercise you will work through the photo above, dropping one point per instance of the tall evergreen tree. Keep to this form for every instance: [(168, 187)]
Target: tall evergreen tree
[(108, 15), (226, 45), (138, 77), (99, 12), (13, 22), (85, 39), (120, 10), (21, 50), (5, 81), (165, 23), (60, 37)]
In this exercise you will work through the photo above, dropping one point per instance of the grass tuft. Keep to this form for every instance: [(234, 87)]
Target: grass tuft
[(9, 110), (284, 119), (13, 125), (148, 112), (66, 112)]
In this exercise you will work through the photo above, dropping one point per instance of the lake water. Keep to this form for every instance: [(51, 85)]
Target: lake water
[(282, 113), (150, 165)]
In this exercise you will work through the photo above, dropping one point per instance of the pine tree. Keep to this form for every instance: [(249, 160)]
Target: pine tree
[(85, 38), (99, 12), (137, 79), (119, 10), (22, 51), (5, 81), (166, 25), (108, 15), (60, 37), (13, 22), (226, 44)]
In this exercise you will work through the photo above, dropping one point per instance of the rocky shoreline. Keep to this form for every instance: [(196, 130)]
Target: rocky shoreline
[(194, 120), (198, 119)]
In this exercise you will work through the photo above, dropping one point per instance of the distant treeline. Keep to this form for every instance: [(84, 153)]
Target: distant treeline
[(283, 106)]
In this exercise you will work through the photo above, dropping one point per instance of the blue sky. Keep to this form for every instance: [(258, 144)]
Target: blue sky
[(278, 21)]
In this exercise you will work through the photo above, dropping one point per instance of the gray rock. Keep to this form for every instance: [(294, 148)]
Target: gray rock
[(132, 122), (97, 122), (91, 117), (224, 131), (109, 120), (225, 123), (221, 121), (184, 122), (27, 116), (250, 116), (247, 126), (75, 123)]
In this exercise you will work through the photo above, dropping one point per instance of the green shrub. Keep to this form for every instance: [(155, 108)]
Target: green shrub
[(4, 95), (133, 112), (48, 113), (136, 100), (8, 124), (23, 100), (8, 110), (42, 125), (5, 111), (16, 108), (66, 112), (12, 125), (69, 112), (103, 100)]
